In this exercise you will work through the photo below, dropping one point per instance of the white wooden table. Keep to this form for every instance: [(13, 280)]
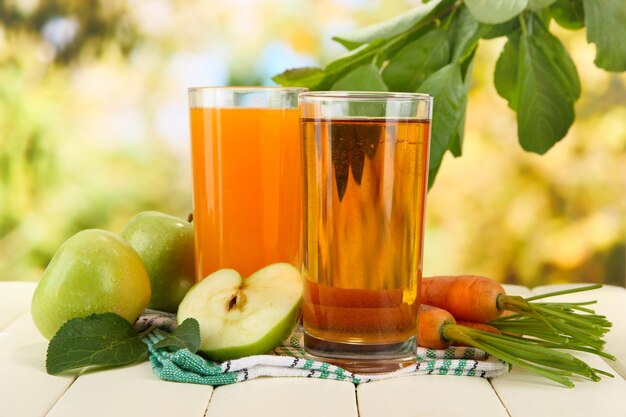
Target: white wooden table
[(26, 390)]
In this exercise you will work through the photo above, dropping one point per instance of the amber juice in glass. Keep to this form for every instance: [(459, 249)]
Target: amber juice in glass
[(247, 192), (365, 178)]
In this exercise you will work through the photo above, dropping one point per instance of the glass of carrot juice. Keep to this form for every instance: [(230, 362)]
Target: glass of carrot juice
[(247, 192), (365, 181)]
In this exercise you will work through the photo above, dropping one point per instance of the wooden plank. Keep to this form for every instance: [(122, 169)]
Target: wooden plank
[(14, 300), (26, 390), (611, 302), (131, 391), (524, 394), (432, 395), (284, 397)]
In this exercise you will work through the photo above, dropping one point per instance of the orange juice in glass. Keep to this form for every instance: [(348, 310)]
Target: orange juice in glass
[(247, 191)]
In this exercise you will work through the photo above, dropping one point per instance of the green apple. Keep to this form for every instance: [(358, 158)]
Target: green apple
[(244, 316), (166, 247), (94, 271)]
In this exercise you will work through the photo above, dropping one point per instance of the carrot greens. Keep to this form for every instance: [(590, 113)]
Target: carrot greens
[(438, 329), (563, 325)]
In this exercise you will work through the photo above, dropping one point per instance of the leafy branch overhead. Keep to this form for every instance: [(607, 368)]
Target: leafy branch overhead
[(430, 49)]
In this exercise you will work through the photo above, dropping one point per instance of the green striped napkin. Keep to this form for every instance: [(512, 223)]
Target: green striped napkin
[(289, 360)]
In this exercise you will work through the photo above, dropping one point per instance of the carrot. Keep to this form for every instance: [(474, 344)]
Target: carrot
[(466, 297), (431, 322), (437, 329), (481, 299)]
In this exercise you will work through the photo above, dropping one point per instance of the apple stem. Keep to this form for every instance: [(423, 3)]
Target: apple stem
[(147, 331)]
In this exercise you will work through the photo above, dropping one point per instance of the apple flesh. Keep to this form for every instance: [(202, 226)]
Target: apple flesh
[(165, 244), (244, 316), (94, 271)]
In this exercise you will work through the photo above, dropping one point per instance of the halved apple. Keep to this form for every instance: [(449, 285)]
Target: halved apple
[(244, 316)]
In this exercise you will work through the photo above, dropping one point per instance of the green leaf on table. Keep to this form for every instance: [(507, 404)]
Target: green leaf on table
[(185, 336), (309, 77), (394, 26), (568, 13), (363, 78), (97, 340), (606, 27), (495, 11), (408, 69), (505, 75), (547, 87), (539, 4), (446, 87), (463, 34)]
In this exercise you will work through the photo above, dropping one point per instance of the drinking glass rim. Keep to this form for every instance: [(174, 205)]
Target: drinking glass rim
[(248, 89), (365, 95)]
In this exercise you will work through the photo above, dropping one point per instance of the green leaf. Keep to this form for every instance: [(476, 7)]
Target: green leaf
[(416, 61), (446, 86), (505, 75), (393, 26), (561, 63), (463, 33), (432, 174), (363, 78), (309, 77), (501, 29), (568, 13), (544, 15), (185, 336), (456, 144), (606, 27), (547, 86), (539, 4), (392, 47), (495, 11), (97, 340), (349, 45), (355, 59)]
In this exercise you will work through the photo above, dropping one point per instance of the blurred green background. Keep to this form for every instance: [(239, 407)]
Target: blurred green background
[(94, 128)]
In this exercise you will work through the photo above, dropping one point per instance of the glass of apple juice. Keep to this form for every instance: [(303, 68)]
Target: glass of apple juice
[(365, 157), (247, 192)]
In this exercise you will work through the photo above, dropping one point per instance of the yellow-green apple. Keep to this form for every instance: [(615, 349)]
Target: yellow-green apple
[(165, 245), (94, 271), (244, 316)]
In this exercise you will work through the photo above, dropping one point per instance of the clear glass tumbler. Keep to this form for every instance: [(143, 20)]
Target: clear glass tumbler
[(365, 158), (247, 186)]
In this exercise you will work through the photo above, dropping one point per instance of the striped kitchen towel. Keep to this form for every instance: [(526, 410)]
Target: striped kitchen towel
[(289, 360)]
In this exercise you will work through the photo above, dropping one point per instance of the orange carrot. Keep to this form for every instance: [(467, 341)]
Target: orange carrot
[(481, 299), (437, 329), (466, 297), (434, 327), (431, 325)]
